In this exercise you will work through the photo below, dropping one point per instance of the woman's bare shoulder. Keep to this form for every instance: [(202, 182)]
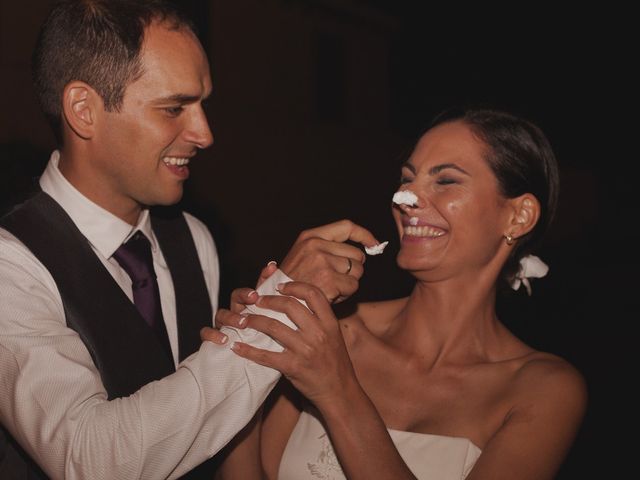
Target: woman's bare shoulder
[(550, 381), (548, 368)]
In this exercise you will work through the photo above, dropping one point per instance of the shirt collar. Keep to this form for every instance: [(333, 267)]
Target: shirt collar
[(105, 231)]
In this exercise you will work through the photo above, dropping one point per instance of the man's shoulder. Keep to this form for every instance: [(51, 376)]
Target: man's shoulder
[(20, 267), (10, 245), (20, 223)]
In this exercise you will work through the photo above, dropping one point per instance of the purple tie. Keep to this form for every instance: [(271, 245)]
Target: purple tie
[(135, 258)]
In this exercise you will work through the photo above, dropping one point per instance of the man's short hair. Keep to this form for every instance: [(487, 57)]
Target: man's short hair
[(98, 42)]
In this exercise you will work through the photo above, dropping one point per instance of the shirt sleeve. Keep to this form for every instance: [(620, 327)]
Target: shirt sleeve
[(55, 406)]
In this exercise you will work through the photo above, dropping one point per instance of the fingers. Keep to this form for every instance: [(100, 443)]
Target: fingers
[(316, 301), (342, 231), (336, 248), (273, 328), (292, 308), (281, 333), (324, 246), (263, 357), (241, 297), (208, 334), (227, 318), (344, 259), (266, 272), (343, 287), (320, 257), (315, 358), (317, 315)]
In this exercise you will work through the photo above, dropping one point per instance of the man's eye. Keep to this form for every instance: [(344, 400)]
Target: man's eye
[(174, 111), (404, 180)]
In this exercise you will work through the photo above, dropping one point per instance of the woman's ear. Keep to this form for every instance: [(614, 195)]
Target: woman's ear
[(524, 216), (79, 108)]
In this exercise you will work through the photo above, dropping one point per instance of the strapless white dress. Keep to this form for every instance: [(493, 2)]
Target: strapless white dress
[(310, 456)]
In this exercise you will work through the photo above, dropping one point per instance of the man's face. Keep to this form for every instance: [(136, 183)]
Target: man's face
[(142, 151)]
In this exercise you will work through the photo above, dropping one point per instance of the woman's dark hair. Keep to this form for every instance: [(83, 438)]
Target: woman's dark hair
[(522, 160), (97, 42)]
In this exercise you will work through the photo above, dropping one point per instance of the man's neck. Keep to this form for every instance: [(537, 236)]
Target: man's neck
[(93, 188)]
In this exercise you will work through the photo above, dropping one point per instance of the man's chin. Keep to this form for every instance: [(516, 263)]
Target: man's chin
[(166, 200)]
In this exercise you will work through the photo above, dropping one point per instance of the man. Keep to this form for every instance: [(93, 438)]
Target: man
[(93, 386)]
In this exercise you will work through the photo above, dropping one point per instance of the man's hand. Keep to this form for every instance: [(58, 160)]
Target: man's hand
[(320, 257)]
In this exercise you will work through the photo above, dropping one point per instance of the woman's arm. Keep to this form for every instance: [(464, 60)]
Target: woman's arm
[(281, 412), (241, 457), (551, 399), (316, 361), (255, 453)]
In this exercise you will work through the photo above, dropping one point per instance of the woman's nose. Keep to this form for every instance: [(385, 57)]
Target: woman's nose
[(408, 200)]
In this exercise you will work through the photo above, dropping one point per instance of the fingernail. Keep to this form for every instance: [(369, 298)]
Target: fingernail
[(253, 293), (279, 286), (272, 262), (224, 339), (235, 346), (243, 321)]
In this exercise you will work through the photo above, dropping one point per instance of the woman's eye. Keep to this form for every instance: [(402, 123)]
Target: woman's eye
[(445, 181)]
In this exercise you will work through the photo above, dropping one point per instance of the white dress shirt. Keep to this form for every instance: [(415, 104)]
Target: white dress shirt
[(53, 401)]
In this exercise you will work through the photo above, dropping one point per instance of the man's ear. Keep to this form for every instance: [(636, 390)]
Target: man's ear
[(524, 216), (80, 105)]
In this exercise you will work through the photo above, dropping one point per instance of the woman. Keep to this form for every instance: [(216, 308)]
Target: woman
[(431, 385)]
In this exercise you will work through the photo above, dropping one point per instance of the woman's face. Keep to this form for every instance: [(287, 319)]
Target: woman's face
[(458, 224)]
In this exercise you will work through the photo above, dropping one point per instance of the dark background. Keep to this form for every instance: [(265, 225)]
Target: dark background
[(279, 167)]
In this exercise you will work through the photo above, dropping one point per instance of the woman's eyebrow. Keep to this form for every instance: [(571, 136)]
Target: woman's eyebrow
[(409, 166), (443, 166)]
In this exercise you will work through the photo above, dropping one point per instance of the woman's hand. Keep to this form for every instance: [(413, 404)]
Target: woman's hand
[(320, 256), (314, 358), (240, 297)]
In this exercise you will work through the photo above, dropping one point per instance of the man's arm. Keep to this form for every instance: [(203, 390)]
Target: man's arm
[(55, 405), (54, 402)]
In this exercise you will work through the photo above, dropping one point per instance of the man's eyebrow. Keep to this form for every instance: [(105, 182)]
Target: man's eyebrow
[(181, 98), (443, 166)]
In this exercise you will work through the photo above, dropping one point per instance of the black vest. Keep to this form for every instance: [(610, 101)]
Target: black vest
[(122, 346)]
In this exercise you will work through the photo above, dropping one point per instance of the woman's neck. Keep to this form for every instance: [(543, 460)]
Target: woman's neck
[(447, 322)]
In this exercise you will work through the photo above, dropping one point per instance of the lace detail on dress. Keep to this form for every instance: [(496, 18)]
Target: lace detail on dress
[(327, 466)]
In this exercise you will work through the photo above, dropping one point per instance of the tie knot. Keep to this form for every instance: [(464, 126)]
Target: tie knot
[(135, 258)]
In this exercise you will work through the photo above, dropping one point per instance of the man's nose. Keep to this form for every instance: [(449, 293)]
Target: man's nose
[(198, 131)]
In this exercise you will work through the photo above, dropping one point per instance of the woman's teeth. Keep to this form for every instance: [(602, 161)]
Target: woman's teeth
[(423, 231)]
